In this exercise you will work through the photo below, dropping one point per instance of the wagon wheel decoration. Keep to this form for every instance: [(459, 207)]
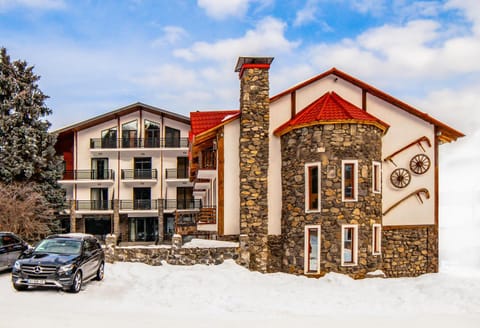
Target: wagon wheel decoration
[(400, 178), (420, 163)]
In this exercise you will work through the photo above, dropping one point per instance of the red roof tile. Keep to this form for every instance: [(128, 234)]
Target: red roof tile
[(330, 108), (203, 121)]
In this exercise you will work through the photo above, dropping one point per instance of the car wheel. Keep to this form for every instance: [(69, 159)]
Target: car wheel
[(77, 283), (100, 272), (20, 288)]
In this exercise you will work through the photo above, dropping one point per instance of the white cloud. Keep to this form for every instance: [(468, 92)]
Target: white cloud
[(34, 4), (221, 9), (419, 49), (307, 14), (171, 35), (266, 39), (375, 7), (168, 75)]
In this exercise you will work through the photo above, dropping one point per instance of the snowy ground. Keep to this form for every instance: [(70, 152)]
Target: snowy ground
[(138, 295)]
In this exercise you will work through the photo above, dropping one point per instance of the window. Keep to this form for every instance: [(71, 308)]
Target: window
[(377, 239), (312, 187), (349, 244), (377, 177), (349, 181), (312, 249)]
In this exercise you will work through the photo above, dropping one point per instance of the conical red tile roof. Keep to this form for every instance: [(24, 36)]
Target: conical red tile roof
[(328, 109)]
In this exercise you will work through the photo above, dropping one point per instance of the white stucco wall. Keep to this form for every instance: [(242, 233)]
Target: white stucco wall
[(232, 178), (404, 129)]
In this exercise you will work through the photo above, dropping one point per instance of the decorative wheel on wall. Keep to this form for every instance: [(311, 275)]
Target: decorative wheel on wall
[(400, 178), (420, 163)]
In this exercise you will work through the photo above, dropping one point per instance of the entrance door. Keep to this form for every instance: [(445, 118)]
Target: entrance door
[(143, 229), (99, 226), (184, 198), (99, 168), (142, 167), (142, 198)]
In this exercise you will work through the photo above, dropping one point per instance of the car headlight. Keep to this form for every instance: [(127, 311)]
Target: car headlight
[(16, 265), (65, 268)]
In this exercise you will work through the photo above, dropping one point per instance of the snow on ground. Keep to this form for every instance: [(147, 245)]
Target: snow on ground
[(227, 295)]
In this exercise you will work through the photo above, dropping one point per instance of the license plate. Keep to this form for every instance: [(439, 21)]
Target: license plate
[(36, 281)]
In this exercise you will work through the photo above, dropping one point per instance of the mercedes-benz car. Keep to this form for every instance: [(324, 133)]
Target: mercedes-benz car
[(63, 261), (11, 246)]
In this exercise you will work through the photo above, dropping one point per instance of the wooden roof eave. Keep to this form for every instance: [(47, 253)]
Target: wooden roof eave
[(453, 134)]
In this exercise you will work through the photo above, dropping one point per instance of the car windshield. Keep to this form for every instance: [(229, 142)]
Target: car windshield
[(59, 246)]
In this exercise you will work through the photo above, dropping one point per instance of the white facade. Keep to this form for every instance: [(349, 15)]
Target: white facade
[(149, 163)]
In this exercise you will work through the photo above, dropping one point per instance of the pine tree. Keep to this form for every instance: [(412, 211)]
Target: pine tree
[(27, 152)]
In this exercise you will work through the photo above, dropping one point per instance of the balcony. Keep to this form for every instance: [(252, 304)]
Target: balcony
[(181, 204), (93, 205), (88, 176), (139, 205), (135, 143), (139, 174), (178, 178)]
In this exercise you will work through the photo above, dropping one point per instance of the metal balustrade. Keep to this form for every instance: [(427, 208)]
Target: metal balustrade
[(126, 143), (89, 175), (139, 174), (139, 204), (176, 174)]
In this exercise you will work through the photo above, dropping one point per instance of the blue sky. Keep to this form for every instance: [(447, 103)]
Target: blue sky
[(97, 56)]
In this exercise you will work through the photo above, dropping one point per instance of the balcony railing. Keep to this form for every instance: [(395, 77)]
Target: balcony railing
[(89, 175), (207, 215), (139, 204), (125, 143), (181, 204), (176, 174), (93, 205), (139, 174)]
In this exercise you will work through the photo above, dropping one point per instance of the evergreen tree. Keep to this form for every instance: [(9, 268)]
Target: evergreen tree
[(27, 152)]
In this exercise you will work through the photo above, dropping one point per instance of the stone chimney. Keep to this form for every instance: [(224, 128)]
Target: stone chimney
[(254, 145)]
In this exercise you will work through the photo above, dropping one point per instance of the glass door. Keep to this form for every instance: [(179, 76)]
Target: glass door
[(99, 198), (142, 167), (172, 137), (184, 198), (182, 167), (99, 168), (142, 198)]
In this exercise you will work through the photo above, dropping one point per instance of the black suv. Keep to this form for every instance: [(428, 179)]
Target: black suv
[(62, 261), (11, 246)]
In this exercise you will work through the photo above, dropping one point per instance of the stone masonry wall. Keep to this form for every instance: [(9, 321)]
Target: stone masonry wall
[(410, 251), (174, 255), (330, 144), (254, 124)]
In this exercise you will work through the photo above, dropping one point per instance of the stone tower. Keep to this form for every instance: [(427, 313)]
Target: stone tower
[(254, 143)]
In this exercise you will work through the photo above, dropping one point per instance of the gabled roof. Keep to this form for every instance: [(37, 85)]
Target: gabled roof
[(204, 121), (120, 112), (447, 133), (329, 109)]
